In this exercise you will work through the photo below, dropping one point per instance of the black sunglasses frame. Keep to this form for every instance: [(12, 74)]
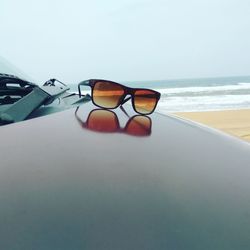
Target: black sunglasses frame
[(127, 91)]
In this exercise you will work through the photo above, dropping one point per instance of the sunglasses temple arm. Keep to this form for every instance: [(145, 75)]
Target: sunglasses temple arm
[(83, 83), (83, 124), (124, 111), (124, 101)]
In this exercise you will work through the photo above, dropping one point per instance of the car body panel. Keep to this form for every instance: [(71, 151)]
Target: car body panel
[(63, 186)]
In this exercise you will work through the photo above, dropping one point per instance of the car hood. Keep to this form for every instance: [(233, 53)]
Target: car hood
[(65, 186)]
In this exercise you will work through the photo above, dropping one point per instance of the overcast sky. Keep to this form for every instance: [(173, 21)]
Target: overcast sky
[(126, 39)]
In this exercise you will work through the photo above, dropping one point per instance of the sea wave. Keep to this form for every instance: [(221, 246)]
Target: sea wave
[(206, 89), (204, 103)]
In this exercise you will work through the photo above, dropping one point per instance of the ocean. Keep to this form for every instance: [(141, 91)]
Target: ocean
[(204, 94), (200, 94)]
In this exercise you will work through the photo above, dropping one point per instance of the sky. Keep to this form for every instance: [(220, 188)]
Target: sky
[(126, 40)]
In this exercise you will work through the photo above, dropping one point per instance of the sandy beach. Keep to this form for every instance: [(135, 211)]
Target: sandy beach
[(233, 122)]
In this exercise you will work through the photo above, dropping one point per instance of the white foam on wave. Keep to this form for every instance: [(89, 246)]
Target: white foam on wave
[(244, 83), (204, 103), (239, 86)]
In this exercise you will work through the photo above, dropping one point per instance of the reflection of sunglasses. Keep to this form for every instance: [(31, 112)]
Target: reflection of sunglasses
[(109, 95), (106, 121)]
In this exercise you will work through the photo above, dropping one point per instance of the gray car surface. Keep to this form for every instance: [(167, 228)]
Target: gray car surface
[(64, 186)]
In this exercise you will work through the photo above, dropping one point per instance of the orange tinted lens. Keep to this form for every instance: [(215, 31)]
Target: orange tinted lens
[(145, 101), (107, 94), (139, 126), (103, 121)]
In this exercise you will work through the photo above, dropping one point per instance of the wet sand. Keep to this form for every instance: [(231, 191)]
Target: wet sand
[(233, 122)]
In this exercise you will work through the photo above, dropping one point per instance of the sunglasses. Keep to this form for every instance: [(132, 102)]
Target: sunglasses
[(110, 95), (106, 121)]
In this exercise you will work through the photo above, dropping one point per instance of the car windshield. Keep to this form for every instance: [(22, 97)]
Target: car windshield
[(8, 68), (22, 98)]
